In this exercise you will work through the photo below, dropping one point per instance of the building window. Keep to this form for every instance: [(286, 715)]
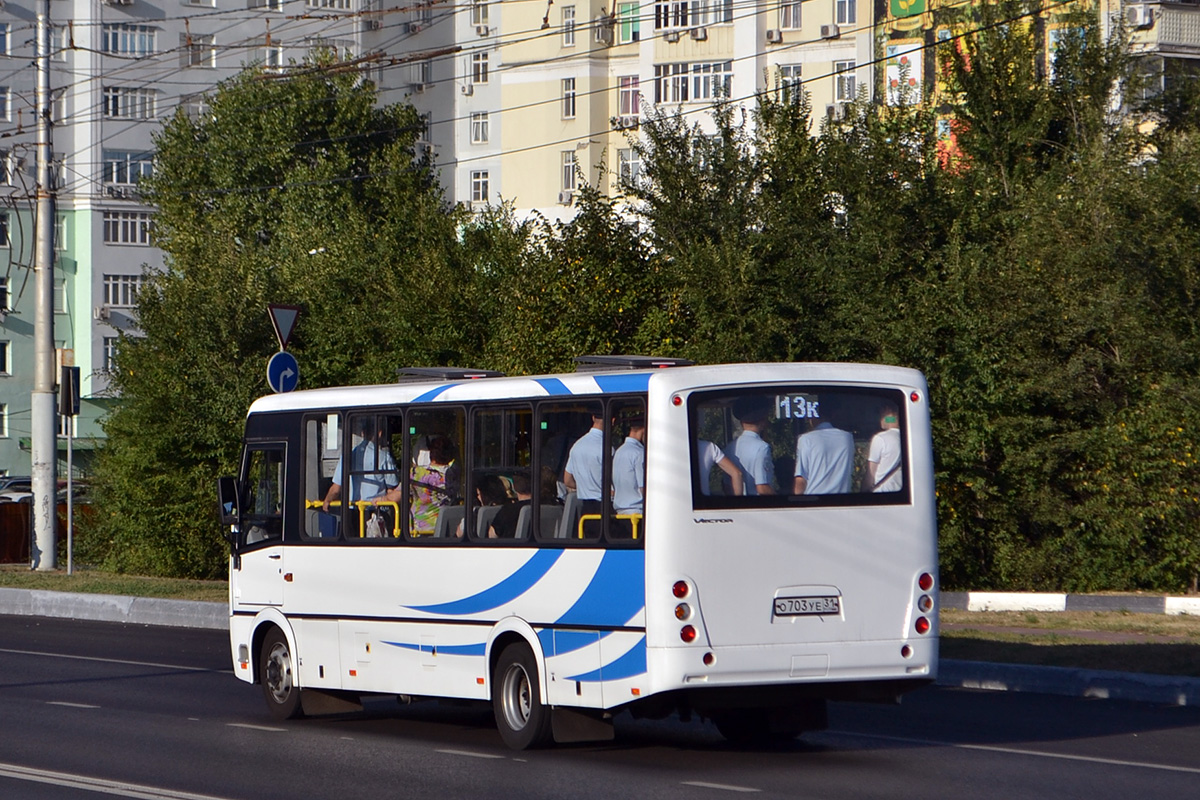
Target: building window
[(479, 68), (670, 83), (712, 12), (270, 57), (60, 298), (4, 420), (628, 95), (7, 167), (568, 170), (4, 294), (120, 291), (568, 26), (671, 14), (789, 13), (479, 186), (568, 98), (129, 40), (479, 128), (5, 367), (197, 50), (110, 353), (710, 81), (269, 5), (127, 227), (60, 231), (629, 166), (125, 167), (628, 23), (789, 76), (3, 229), (205, 3), (5, 102), (195, 106), (845, 87), (479, 12), (123, 102), (336, 5), (845, 12), (4, 39)]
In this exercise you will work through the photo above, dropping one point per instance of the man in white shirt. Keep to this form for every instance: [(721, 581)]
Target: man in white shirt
[(883, 459)]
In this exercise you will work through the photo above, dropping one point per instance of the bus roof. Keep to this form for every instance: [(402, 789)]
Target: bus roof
[(583, 384)]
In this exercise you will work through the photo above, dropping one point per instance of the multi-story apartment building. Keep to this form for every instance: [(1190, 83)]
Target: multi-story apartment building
[(522, 101)]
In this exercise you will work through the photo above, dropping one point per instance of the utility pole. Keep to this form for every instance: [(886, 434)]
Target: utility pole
[(43, 439)]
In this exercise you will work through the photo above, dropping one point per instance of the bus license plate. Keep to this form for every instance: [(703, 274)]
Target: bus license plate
[(804, 606)]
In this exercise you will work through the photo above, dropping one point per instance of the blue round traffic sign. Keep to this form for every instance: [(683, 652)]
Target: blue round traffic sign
[(283, 372)]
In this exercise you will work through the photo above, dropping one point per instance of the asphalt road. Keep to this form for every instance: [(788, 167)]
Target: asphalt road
[(91, 709)]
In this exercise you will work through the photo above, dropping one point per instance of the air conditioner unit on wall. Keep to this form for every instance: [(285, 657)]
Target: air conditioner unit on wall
[(372, 24), (564, 198), (468, 89), (774, 36), (830, 31), (626, 123), (835, 111), (699, 34), (671, 36), (101, 313), (418, 88), (1139, 16), (415, 27), (481, 30)]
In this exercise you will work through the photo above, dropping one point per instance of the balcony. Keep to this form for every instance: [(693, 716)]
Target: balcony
[(1164, 28)]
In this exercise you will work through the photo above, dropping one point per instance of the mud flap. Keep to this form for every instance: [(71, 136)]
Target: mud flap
[(574, 725)]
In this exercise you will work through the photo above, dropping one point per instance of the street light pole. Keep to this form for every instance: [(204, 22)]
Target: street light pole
[(43, 440)]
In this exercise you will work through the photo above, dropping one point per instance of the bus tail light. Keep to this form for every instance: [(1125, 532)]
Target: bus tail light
[(681, 589), (925, 603), (688, 634), (922, 625), (683, 611), (925, 581)]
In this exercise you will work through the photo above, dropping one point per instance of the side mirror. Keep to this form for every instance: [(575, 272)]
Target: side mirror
[(227, 496)]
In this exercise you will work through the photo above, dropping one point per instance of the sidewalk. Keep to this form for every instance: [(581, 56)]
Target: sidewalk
[(1163, 689)]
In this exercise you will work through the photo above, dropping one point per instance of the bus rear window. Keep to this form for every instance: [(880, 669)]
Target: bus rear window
[(788, 445)]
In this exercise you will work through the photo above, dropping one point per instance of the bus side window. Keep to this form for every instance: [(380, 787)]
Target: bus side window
[(627, 440), (322, 451), (262, 513), (499, 469), (371, 492), (435, 506), (567, 437)]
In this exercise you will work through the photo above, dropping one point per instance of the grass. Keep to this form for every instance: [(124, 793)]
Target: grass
[(1121, 641), (86, 581)]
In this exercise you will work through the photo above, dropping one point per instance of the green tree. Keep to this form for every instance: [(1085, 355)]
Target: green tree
[(296, 190)]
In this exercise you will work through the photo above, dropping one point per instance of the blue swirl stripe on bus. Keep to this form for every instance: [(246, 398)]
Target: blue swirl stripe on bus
[(475, 649), (616, 592), (432, 393), (627, 666), (552, 385), (503, 592), (623, 383)]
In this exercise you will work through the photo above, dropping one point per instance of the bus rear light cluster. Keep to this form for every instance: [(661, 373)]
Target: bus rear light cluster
[(922, 625), (688, 634)]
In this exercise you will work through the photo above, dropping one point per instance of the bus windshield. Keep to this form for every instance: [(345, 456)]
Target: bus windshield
[(783, 445)]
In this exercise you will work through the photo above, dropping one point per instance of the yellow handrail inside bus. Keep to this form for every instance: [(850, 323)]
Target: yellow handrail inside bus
[(633, 518), (363, 505)]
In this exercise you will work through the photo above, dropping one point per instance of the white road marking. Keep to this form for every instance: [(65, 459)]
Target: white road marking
[(1018, 751), (725, 787), (469, 754), (250, 727), (112, 661), (69, 705), (99, 785)]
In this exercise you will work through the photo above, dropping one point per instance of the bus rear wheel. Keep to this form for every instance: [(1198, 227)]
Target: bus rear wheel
[(277, 671), (522, 719)]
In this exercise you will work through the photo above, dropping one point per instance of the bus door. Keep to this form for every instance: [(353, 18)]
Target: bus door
[(258, 578)]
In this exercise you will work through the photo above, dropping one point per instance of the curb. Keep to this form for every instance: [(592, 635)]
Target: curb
[(114, 608), (1065, 681), (1045, 601)]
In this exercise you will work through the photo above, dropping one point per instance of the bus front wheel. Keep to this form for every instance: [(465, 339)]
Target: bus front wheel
[(516, 699), (277, 671)]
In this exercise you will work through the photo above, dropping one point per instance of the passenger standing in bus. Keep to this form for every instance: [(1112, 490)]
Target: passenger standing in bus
[(629, 476), (708, 455), (883, 457), (584, 473), (434, 486), (372, 469), (752, 453), (824, 459)]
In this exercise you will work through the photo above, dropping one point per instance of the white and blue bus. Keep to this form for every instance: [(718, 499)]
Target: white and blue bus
[(740, 542)]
